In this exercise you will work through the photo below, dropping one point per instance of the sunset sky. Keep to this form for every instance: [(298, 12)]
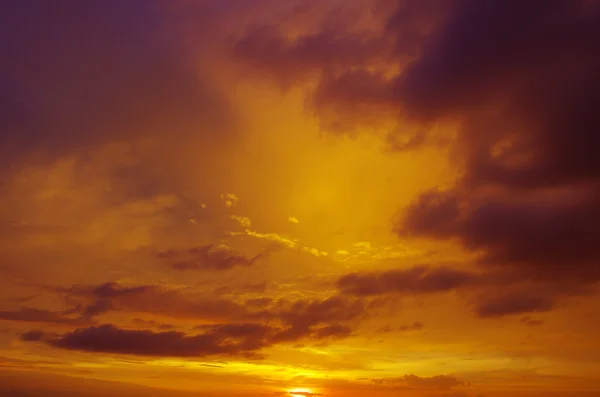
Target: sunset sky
[(279, 198)]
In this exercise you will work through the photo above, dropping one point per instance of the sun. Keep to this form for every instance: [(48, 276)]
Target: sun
[(304, 392)]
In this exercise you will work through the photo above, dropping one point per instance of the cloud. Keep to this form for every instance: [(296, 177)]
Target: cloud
[(152, 323), (230, 339), (286, 321), (108, 72), (274, 237), (513, 303), (292, 59), (332, 331), (299, 318), (320, 316), (209, 257), (114, 290), (531, 322), (439, 381), (416, 326), (546, 233), (414, 280), (41, 316), (529, 195), (352, 52), (151, 299), (414, 381), (244, 288), (32, 336), (491, 292)]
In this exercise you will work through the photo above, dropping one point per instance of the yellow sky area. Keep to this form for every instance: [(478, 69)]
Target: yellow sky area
[(339, 189)]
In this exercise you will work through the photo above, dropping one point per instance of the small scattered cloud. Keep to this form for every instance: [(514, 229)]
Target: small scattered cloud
[(209, 257), (513, 303), (243, 221), (414, 381), (274, 237), (416, 326), (32, 336), (41, 316), (230, 199), (531, 322), (315, 251)]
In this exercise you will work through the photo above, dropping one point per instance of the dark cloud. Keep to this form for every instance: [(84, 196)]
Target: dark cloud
[(96, 308), (282, 320), (531, 322), (514, 303), (325, 46), (493, 293), (298, 318), (114, 290), (76, 74), (331, 318), (545, 233), (332, 331), (318, 319), (415, 280), (231, 339), (292, 59), (286, 321), (259, 302), (151, 299), (414, 381), (350, 65), (209, 257), (245, 288), (526, 99), (41, 316), (152, 323), (32, 336), (416, 326), (439, 381)]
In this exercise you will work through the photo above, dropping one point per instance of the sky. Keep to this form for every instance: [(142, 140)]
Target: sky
[(304, 198)]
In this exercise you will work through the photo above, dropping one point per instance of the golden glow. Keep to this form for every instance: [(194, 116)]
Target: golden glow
[(301, 392)]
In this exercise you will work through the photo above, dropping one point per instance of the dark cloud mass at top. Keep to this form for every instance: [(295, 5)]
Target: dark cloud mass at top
[(75, 74), (523, 78)]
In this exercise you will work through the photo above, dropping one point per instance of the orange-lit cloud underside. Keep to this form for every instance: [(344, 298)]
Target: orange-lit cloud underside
[(299, 198)]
